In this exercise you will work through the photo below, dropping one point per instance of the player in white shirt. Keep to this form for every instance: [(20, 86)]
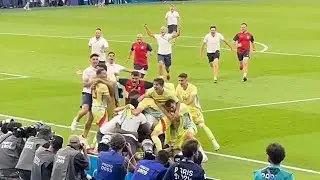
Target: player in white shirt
[(212, 41), (114, 69), (164, 48), (88, 76), (98, 45), (172, 19)]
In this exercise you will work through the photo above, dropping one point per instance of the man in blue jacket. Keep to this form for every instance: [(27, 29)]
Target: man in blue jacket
[(152, 169), (276, 155)]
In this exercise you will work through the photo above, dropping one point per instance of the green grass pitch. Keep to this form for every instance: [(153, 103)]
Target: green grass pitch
[(279, 103)]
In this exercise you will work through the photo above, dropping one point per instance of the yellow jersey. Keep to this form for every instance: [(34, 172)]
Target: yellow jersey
[(161, 98), (170, 87), (100, 90), (184, 94)]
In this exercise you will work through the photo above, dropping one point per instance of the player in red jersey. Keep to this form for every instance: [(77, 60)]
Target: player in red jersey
[(141, 51), (244, 40)]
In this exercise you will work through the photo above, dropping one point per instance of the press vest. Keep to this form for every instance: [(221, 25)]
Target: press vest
[(110, 166), (42, 159), (10, 150), (148, 170)]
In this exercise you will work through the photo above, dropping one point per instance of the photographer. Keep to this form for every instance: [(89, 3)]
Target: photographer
[(70, 163), (112, 165), (186, 168), (33, 143), (43, 159), (11, 145), (152, 169), (276, 155)]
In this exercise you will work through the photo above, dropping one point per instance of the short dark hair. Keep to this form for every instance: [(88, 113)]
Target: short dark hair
[(99, 29), (117, 142), (135, 73), (159, 80), (183, 75), (102, 147), (169, 102), (189, 148), (163, 156), (276, 153), (94, 55), (100, 70), (57, 142), (244, 24), (102, 65), (213, 26), (111, 52)]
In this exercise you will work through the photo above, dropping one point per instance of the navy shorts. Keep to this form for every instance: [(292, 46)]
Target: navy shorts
[(87, 99), (139, 67), (172, 28), (166, 59), (213, 56), (243, 55)]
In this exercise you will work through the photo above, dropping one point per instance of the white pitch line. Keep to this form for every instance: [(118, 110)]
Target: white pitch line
[(9, 74), (12, 78), (212, 153), (86, 38), (262, 104)]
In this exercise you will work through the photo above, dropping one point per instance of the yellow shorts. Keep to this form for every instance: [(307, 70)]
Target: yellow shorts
[(182, 136), (197, 116), (100, 115)]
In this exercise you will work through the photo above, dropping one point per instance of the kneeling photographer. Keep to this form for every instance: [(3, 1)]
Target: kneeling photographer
[(37, 136), (11, 145), (152, 169)]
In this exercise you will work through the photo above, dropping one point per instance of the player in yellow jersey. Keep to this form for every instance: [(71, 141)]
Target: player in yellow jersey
[(187, 94), (185, 127), (100, 99), (154, 97)]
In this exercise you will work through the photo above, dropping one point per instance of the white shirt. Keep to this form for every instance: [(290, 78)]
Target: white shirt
[(98, 46), (114, 69), (164, 43), (132, 124), (172, 17), (213, 43), (88, 73), (109, 127)]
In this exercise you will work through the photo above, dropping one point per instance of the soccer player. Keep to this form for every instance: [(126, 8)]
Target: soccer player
[(114, 69), (141, 51), (276, 155), (98, 45), (101, 98), (185, 127), (164, 48), (244, 40), (212, 41), (172, 19), (187, 93), (88, 76), (154, 97)]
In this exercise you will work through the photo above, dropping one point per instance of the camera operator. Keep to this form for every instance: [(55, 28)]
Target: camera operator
[(33, 143), (186, 168), (43, 159), (152, 169), (11, 145), (70, 163), (112, 165)]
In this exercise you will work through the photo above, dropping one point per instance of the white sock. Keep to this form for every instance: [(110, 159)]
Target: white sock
[(244, 74), (215, 78)]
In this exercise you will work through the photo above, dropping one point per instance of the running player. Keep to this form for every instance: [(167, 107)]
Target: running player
[(154, 97), (164, 48), (187, 93), (244, 40), (172, 19), (212, 40), (98, 45), (186, 129)]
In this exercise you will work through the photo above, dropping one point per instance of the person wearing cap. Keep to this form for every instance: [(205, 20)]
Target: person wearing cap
[(71, 161), (11, 145), (33, 143), (43, 159), (112, 165), (141, 51), (152, 169)]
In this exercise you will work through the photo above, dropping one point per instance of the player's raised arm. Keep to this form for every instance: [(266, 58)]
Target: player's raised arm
[(148, 31), (175, 35)]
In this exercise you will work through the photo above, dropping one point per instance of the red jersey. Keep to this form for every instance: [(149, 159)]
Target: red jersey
[(140, 53), (244, 40), (140, 88)]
